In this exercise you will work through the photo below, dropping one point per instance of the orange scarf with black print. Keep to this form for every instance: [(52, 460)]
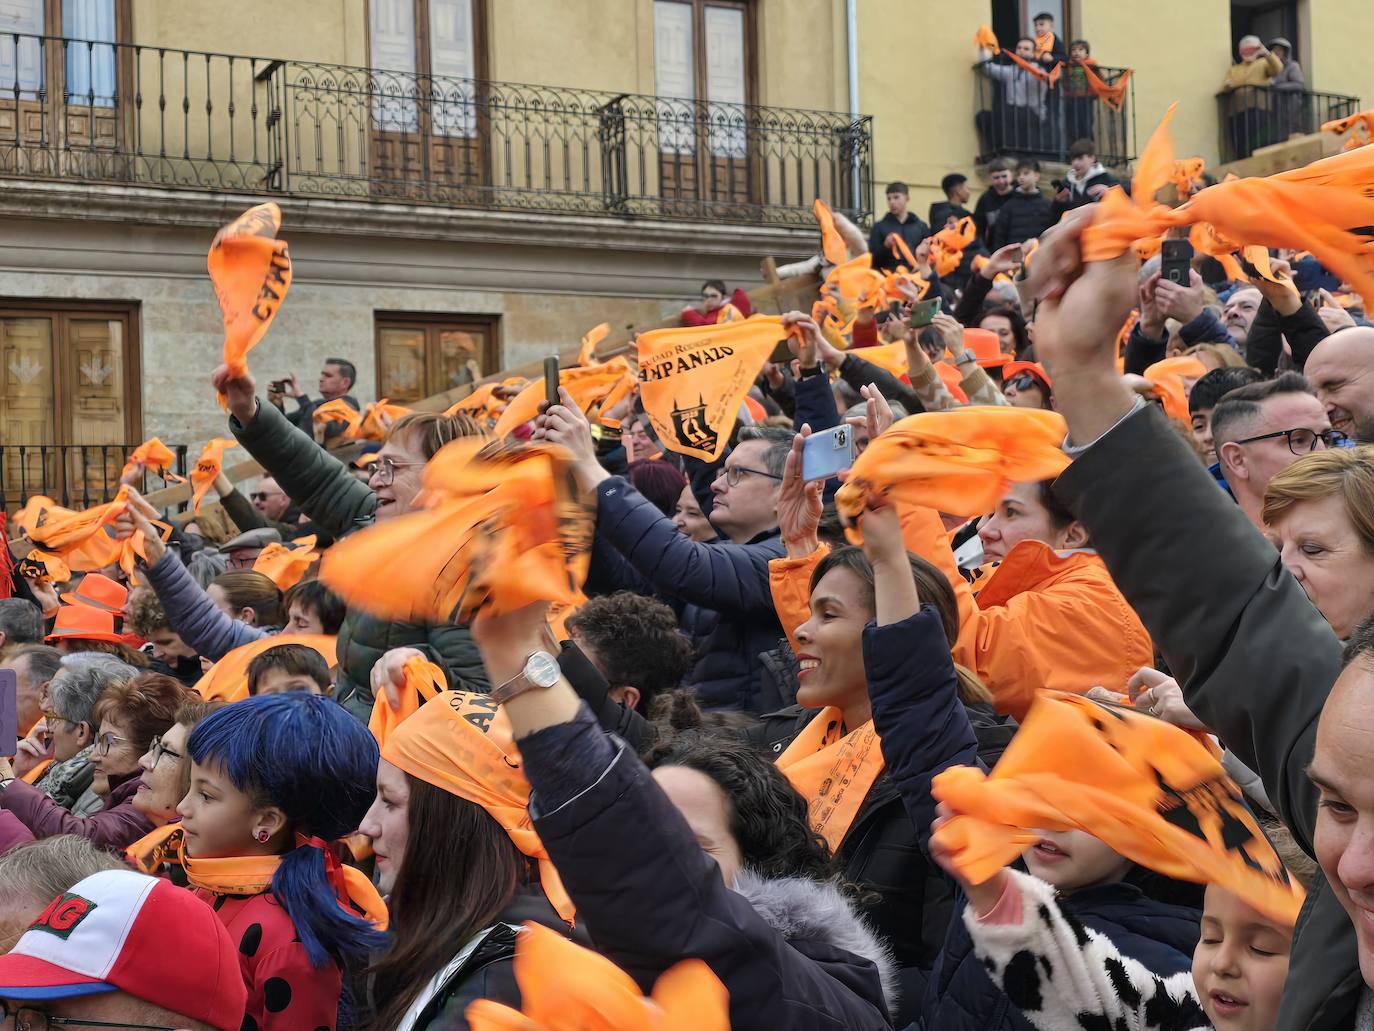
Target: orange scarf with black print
[(833, 771)]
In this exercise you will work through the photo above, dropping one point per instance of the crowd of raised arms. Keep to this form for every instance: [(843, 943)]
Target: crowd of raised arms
[(988, 645)]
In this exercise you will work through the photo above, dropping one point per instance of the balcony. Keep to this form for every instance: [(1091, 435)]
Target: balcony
[(73, 475), (1070, 111), (153, 116), (1251, 117)]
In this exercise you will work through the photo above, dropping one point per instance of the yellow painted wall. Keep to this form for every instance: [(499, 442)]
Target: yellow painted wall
[(607, 45), (801, 55), (1189, 69), (1335, 39), (307, 30)]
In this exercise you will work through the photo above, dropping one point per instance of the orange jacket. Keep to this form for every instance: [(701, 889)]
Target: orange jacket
[(1041, 620)]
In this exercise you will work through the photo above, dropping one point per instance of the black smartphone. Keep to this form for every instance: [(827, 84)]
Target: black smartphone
[(1175, 261), (782, 353), (551, 379)]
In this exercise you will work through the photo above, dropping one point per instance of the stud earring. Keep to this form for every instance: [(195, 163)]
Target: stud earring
[(262, 837)]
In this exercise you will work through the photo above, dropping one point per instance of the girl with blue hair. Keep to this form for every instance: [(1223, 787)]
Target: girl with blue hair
[(275, 781)]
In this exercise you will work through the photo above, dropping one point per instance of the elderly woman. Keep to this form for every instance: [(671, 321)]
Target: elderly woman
[(166, 772), (1320, 514), (70, 729), (129, 714), (1249, 124)]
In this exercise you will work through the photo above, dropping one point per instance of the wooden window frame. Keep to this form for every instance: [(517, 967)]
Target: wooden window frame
[(60, 309), (751, 49), (480, 64), (462, 321)]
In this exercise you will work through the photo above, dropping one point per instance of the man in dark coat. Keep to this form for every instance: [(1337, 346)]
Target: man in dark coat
[(898, 222), (337, 377), (1026, 213)]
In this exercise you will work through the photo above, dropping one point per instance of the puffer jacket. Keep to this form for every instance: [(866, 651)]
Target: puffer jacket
[(792, 953), (719, 589), (328, 494), (1023, 217), (924, 731), (910, 902)]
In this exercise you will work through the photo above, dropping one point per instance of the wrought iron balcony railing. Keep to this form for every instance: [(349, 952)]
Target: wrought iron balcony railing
[(155, 116), (1256, 116), (1019, 116), (73, 475)]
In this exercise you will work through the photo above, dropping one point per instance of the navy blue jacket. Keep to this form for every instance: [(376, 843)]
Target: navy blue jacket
[(1142, 351), (649, 896), (719, 589), (924, 730)]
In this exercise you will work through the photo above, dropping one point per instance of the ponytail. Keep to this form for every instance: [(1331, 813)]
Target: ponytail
[(325, 928)]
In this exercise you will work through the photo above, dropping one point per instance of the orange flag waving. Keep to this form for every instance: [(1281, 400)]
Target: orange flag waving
[(948, 245), (985, 38), (587, 356), (832, 243), (1148, 789), (504, 528), (1362, 123), (285, 564), (423, 680), (1186, 171), (155, 455), (692, 380), (587, 385), (376, 421), (227, 679), (339, 411), (42, 567), (565, 987), (208, 467), (961, 461), (251, 271), (80, 538)]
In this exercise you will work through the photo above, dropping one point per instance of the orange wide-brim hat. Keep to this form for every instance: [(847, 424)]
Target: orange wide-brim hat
[(84, 623), (99, 592), (986, 347)]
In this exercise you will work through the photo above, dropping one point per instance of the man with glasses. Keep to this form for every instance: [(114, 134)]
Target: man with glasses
[(120, 950), (1262, 429)]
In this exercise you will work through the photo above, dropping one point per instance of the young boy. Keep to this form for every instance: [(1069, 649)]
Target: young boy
[(1026, 213), (1087, 180), (1049, 48), (1079, 99), (957, 196)]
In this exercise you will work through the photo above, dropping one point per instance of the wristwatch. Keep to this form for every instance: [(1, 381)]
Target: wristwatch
[(541, 671)]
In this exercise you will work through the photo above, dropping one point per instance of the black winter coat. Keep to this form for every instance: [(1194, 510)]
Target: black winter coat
[(924, 731), (1023, 217), (720, 589), (790, 952)]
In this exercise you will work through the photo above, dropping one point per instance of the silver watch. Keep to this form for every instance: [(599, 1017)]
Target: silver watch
[(541, 671)]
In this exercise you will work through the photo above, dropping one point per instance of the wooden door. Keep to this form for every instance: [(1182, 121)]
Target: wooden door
[(703, 61), (28, 392), (426, 138), (419, 357)]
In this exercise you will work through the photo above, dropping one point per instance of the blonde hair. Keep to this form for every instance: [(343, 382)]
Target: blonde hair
[(1348, 472), (1226, 356), (430, 431)]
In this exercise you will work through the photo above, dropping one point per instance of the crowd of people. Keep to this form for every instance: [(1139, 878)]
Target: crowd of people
[(1046, 709)]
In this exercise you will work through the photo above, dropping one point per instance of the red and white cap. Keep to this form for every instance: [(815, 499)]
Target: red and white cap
[(115, 931)]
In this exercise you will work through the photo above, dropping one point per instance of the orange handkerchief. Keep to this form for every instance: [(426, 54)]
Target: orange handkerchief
[(208, 467), (285, 564), (594, 336), (155, 455), (504, 528), (1148, 789), (251, 271), (832, 243), (692, 380), (961, 461), (376, 420), (423, 680), (587, 385), (833, 771)]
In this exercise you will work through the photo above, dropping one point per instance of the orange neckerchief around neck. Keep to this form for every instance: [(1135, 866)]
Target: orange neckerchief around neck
[(822, 753), (252, 875)]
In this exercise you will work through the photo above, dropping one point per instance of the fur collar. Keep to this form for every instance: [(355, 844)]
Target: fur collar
[(797, 907)]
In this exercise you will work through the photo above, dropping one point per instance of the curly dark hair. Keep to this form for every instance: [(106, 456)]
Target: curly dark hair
[(768, 819), (635, 642)]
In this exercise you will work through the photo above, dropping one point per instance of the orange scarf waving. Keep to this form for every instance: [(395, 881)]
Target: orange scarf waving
[(79, 538), (376, 421), (593, 336), (961, 461), (285, 564), (853, 282), (1186, 171), (833, 771), (208, 467), (1148, 789), (252, 875), (832, 243), (488, 401), (565, 986), (693, 380), (1363, 125), (986, 39), (462, 743), (227, 679), (504, 528), (587, 385), (251, 271), (948, 245), (155, 455), (1048, 77), (423, 681), (1112, 94), (41, 567), (341, 412)]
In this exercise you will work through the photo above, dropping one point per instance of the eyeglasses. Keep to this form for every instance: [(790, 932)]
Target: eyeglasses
[(734, 473), (384, 469), (157, 750), (50, 716), (1302, 441), (26, 1019), (106, 741)]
